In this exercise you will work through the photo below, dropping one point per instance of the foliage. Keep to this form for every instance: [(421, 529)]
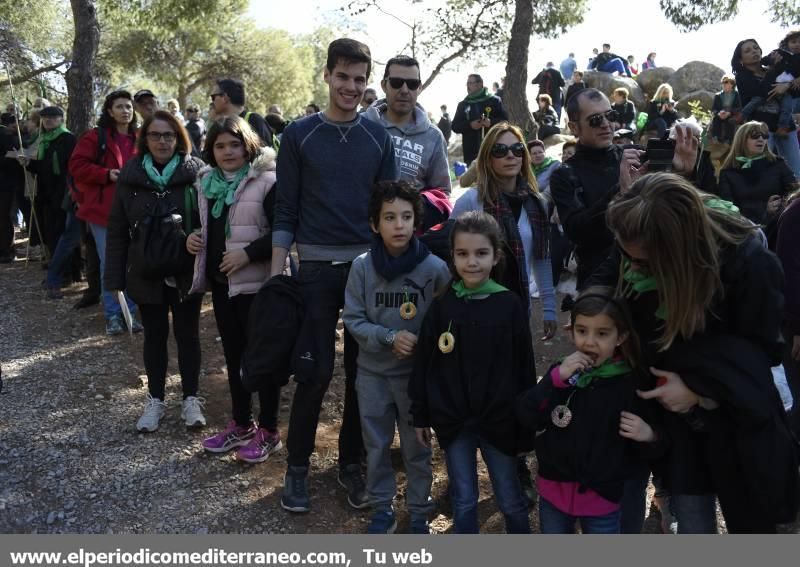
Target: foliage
[(703, 115), (690, 15)]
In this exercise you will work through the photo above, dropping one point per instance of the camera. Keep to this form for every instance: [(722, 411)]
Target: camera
[(659, 154)]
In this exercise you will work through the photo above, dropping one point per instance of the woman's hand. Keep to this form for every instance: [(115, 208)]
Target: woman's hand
[(723, 114), (685, 150), (774, 205), (404, 343), (575, 362), (194, 243), (796, 347), (113, 175), (549, 330), (630, 169), (671, 392), (423, 436), (779, 89), (233, 260), (633, 427)]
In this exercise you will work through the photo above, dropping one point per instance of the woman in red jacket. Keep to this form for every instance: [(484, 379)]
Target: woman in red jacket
[(95, 165)]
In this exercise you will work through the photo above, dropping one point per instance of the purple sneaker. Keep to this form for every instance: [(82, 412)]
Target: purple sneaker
[(260, 447), (230, 437)]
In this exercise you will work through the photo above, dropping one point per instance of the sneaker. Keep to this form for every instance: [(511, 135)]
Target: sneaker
[(382, 522), (294, 497), (115, 326), (153, 412), (260, 447), (136, 326), (419, 525), (192, 412), (232, 436), (350, 479)]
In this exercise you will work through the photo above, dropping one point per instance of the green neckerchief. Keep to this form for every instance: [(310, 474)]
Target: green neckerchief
[(48, 137), (160, 179), (641, 283), (609, 369), (747, 162), (479, 96), (486, 288), (218, 189), (723, 205), (537, 169)]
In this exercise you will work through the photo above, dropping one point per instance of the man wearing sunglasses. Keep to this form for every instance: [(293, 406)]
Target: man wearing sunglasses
[(419, 146), (228, 99), (478, 112)]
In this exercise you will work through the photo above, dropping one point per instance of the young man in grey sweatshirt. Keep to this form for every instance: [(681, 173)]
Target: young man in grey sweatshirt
[(419, 146), (388, 292)]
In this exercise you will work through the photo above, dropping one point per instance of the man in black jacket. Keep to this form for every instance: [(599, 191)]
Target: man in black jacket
[(550, 82), (478, 112), (228, 99), (11, 177), (610, 62)]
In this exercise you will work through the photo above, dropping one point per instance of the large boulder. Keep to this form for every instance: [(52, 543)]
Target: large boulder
[(650, 79), (696, 76), (606, 83), (706, 99)]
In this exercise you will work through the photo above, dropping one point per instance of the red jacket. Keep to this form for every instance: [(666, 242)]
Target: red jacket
[(96, 191)]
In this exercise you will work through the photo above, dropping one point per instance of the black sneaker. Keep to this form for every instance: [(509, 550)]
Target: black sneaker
[(352, 481), (294, 497)]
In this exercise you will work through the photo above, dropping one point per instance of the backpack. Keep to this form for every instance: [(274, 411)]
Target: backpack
[(102, 145), (158, 242)]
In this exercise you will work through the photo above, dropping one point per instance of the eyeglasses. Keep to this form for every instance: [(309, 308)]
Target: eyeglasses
[(757, 135), (641, 263), (397, 83), (168, 137), (215, 95), (596, 120), (501, 150)]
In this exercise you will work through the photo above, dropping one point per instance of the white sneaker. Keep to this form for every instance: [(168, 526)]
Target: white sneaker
[(153, 412), (192, 412)]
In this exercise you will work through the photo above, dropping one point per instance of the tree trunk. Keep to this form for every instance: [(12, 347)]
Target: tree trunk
[(80, 76), (515, 98)]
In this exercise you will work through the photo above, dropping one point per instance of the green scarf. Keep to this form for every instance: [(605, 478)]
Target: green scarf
[(218, 189), (537, 169), (641, 282), (160, 179), (486, 288), (609, 369), (479, 96), (747, 162), (44, 143), (722, 205)]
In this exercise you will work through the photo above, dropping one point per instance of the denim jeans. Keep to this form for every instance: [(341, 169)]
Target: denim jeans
[(554, 521), (462, 469), (695, 513), (111, 307), (616, 65), (67, 244), (789, 149)]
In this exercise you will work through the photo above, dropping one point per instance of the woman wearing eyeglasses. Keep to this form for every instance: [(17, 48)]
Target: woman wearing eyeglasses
[(754, 179), (156, 187)]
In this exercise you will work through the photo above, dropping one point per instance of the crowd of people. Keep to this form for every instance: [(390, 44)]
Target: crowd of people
[(685, 322)]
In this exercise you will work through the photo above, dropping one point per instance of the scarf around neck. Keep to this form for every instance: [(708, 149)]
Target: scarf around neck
[(609, 369), (44, 143), (486, 288), (479, 96), (537, 169), (160, 180), (218, 189), (747, 162), (390, 267)]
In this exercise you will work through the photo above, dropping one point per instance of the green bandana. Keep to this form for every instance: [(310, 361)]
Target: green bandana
[(747, 162), (47, 138), (486, 288), (479, 96), (609, 369), (537, 169), (218, 189), (160, 179), (722, 205), (641, 283)]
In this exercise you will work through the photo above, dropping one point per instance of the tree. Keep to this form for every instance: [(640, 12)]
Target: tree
[(690, 15), (81, 70)]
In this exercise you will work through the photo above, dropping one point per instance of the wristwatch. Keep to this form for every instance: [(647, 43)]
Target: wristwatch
[(388, 339)]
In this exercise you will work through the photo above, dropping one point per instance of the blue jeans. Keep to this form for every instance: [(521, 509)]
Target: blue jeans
[(695, 513), (68, 242), (616, 65), (789, 149), (462, 469), (111, 307), (554, 521)]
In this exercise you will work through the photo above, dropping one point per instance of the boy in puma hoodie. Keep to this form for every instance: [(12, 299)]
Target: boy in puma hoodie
[(389, 289)]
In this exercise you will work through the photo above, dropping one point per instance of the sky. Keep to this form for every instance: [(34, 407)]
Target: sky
[(602, 23)]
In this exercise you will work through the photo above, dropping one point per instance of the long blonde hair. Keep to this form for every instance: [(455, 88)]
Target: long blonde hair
[(739, 145), (663, 87), (488, 192), (665, 215)]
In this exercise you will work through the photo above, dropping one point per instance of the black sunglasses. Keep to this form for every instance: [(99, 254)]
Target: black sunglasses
[(215, 95), (757, 135), (501, 150), (397, 83), (596, 120)]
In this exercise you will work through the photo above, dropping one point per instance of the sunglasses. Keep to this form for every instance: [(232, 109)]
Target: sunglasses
[(215, 95), (596, 120), (168, 137), (397, 83), (501, 150), (757, 135)]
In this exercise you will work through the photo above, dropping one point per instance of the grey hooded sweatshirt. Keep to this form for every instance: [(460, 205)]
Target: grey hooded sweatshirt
[(419, 148)]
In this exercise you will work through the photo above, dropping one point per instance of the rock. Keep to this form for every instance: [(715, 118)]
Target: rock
[(706, 99), (649, 79), (696, 76), (606, 82)]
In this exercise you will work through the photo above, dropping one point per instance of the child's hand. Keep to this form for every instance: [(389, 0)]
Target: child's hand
[(423, 436), (404, 343), (573, 363), (633, 427), (194, 243)]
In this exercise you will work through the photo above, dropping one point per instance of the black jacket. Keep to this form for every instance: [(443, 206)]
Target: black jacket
[(478, 383), (11, 172), (627, 114), (743, 450), (654, 112), (590, 450), (750, 189), (50, 187), (574, 89), (716, 106), (466, 113), (550, 82), (582, 188), (749, 86), (134, 198), (273, 325)]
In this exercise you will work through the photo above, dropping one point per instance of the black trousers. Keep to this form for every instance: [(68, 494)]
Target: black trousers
[(322, 287), (231, 314), (7, 214), (92, 261), (185, 327)]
